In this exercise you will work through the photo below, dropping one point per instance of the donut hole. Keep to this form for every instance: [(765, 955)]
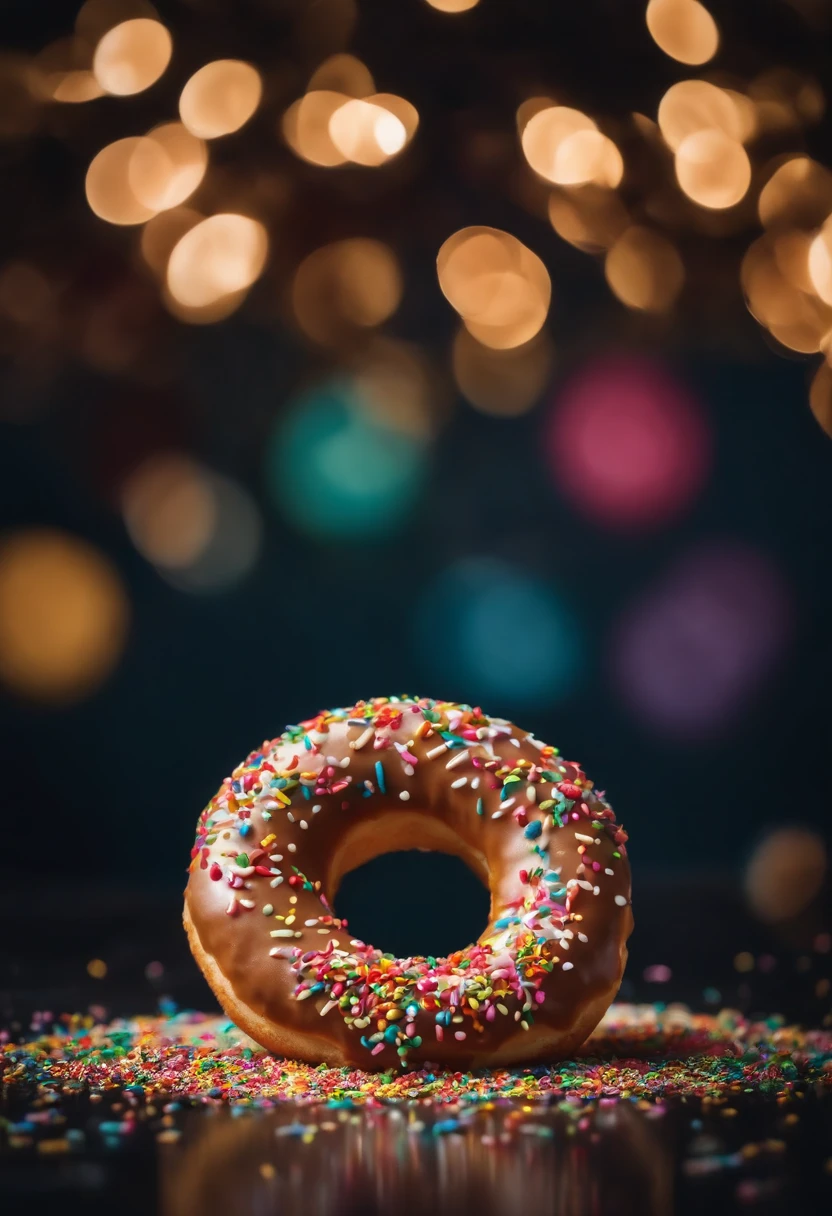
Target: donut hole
[(414, 902)]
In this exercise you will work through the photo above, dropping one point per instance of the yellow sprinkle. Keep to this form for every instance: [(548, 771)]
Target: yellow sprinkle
[(267, 840)]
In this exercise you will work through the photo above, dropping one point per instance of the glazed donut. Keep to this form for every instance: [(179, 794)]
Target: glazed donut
[(401, 773)]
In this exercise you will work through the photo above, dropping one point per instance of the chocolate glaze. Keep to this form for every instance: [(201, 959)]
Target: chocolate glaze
[(349, 828)]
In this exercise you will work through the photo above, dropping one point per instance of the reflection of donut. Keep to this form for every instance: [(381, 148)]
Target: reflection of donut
[(397, 773)]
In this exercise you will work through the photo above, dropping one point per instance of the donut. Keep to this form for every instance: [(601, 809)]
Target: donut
[(397, 773)]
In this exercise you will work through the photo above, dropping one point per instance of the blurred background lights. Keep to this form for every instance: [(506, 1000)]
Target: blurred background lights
[(499, 633), (713, 169), (338, 469), (220, 98), (63, 616), (342, 74), (503, 383), (820, 397), (453, 6), (132, 56), (629, 444), (306, 127), (167, 167), (773, 278), (161, 234), (63, 72), (220, 256), (820, 262), (797, 194), (200, 529), (365, 133), (397, 388), (546, 131), (785, 873), (696, 105), (587, 157), (498, 286), (350, 285), (644, 270), (109, 189), (589, 217), (684, 29), (695, 648)]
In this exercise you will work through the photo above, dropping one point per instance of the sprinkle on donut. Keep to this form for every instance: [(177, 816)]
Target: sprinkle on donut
[(353, 783)]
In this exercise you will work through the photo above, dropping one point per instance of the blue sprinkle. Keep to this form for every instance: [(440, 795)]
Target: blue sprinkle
[(380, 777), (391, 1033), (444, 1126), (533, 830), (307, 793), (307, 743), (245, 828)]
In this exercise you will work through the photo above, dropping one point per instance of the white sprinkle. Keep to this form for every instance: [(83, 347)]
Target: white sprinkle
[(268, 909), (516, 742), (497, 814), (475, 783), (290, 817), (282, 933), (621, 900), (362, 739), (582, 937), (508, 804), (609, 872), (242, 871), (405, 795), (535, 742), (316, 808), (293, 848), (276, 952), (247, 903), (326, 1008), (304, 824), (310, 923), (332, 760), (456, 759), (268, 804), (409, 770), (345, 763), (275, 857), (275, 882), (531, 793), (564, 944), (437, 751), (568, 966), (584, 839), (458, 784)]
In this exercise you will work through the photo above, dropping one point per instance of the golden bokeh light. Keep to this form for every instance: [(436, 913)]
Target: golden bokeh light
[(167, 167), (785, 873), (132, 56), (498, 286), (786, 99), (306, 127), (713, 169), (545, 131), (453, 6), (398, 389), (589, 217), (366, 134), (683, 29), (219, 257), (502, 383), (528, 108), (797, 195), (220, 98), (342, 74), (109, 190), (791, 253), (820, 262), (96, 17), (203, 314), (644, 270), (588, 157), (348, 285), (402, 109), (820, 398), (63, 72), (695, 105), (169, 510), (162, 233), (63, 616), (798, 320)]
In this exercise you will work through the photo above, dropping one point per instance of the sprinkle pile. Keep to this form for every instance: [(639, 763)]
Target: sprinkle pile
[(639, 1053)]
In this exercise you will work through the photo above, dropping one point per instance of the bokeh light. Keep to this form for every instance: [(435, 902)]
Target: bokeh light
[(453, 6), (713, 169), (63, 616), (689, 656), (397, 388), (63, 72), (338, 469), (587, 157), (498, 286), (589, 217), (797, 319), (785, 873), (684, 29), (691, 106), (342, 74), (109, 189), (628, 443), (500, 633), (349, 285), (220, 98), (219, 257), (820, 262), (167, 167), (201, 530), (132, 56), (798, 194), (366, 133), (306, 127), (161, 234), (503, 383), (545, 132), (820, 398), (644, 270)]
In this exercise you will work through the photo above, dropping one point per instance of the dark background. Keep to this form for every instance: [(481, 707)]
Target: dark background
[(101, 795)]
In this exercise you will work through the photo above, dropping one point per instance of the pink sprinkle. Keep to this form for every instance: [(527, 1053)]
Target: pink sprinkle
[(540, 997), (440, 1033), (490, 1013), (378, 1047), (410, 1029), (596, 865), (338, 989), (459, 1034)]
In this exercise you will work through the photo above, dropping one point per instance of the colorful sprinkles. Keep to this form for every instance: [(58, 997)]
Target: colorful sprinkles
[(389, 1002)]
